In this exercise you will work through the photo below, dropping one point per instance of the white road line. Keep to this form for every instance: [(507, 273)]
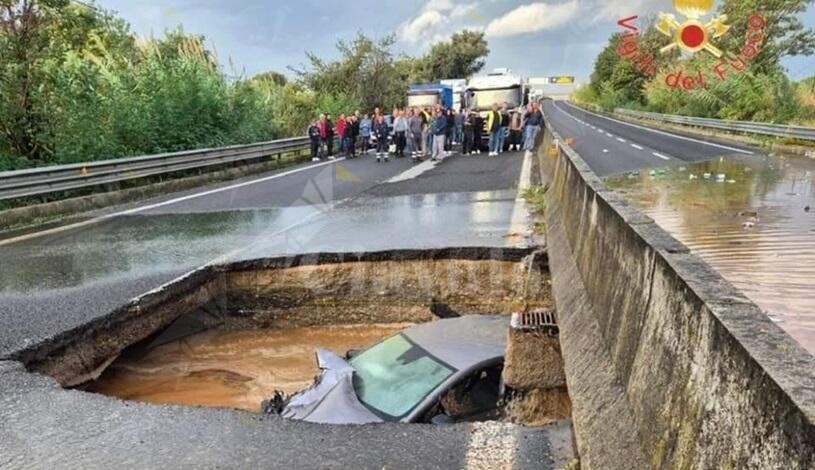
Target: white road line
[(413, 172), (610, 134), (638, 147), (621, 139), (162, 204), (519, 220), (668, 134), (605, 150), (657, 154)]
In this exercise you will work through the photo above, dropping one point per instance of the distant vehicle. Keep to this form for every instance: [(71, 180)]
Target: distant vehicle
[(459, 87), (440, 372), (500, 86), (429, 95)]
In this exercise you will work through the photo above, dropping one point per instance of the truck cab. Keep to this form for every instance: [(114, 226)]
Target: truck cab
[(429, 95), (498, 87)]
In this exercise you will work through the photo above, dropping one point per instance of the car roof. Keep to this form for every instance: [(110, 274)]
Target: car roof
[(463, 342)]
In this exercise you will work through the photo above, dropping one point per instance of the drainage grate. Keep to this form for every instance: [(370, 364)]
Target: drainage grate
[(536, 320)]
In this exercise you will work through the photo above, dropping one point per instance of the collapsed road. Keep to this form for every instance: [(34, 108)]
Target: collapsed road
[(73, 299)]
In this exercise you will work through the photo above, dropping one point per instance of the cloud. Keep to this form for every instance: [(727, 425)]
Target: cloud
[(438, 20), (615, 9), (532, 18)]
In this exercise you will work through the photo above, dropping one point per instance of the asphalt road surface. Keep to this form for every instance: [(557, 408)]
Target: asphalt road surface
[(611, 146)]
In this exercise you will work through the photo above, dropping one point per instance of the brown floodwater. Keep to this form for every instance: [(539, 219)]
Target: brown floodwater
[(755, 225), (231, 369)]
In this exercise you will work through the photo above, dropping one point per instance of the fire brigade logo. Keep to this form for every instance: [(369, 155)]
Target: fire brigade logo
[(693, 35)]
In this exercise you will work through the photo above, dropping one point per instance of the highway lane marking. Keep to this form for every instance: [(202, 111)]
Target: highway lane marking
[(621, 139), (414, 172), (638, 147), (519, 220), (668, 134), (657, 154), (610, 134), (605, 150), (136, 210)]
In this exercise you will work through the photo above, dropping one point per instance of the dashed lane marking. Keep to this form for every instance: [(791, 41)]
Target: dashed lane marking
[(668, 134), (657, 154)]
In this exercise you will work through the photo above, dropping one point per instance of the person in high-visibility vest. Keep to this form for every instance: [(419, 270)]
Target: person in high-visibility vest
[(493, 128)]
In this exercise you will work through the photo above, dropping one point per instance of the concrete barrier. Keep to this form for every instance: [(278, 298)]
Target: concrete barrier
[(667, 364)]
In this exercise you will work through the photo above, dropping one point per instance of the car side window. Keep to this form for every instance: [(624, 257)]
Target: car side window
[(475, 398)]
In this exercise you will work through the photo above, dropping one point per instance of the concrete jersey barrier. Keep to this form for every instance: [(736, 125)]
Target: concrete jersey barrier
[(668, 365)]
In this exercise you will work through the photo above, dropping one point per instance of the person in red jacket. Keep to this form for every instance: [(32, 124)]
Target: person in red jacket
[(341, 132)]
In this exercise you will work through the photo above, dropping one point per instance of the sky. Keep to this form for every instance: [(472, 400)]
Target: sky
[(546, 38)]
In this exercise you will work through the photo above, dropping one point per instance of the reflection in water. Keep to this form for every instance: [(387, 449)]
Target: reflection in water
[(752, 219), (232, 369), (134, 246)]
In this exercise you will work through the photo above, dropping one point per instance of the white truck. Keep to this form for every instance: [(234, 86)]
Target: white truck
[(499, 87)]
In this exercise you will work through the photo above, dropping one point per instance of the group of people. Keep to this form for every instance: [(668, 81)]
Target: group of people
[(428, 132)]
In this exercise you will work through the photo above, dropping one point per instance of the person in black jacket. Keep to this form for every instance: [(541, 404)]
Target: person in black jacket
[(350, 139), (314, 137), (478, 130), (468, 137), (330, 139), (451, 128), (382, 132)]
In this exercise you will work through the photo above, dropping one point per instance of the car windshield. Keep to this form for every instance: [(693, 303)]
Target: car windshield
[(394, 376)]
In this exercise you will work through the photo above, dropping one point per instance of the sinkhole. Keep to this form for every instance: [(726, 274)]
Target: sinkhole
[(434, 336)]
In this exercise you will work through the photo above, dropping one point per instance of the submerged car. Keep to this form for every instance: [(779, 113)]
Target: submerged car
[(440, 372)]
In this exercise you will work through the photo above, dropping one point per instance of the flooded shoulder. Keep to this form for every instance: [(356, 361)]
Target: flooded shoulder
[(751, 218)]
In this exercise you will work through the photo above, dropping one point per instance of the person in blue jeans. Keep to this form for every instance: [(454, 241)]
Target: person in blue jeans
[(532, 126), (365, 129), (502, 136), (494, 129)]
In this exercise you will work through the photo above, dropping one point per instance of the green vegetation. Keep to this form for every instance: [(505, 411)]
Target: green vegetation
[(77, 85), (763, 92), (536, 197)]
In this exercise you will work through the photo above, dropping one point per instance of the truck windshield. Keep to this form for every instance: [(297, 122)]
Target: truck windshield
[(484, 99), (394, 376), (423, 101)]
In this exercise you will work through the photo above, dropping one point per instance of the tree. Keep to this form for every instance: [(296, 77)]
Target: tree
[(24, 45), (785, 33), (366, 73), (460, 57), (271, 76)]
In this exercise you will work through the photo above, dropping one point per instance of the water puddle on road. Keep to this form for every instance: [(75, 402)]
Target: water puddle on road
[(231, 369), (752, 219)]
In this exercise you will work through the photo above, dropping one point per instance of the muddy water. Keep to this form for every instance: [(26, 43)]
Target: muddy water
[(232, 369), (751, 225)]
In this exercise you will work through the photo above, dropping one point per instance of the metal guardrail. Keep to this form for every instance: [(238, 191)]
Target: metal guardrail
[(745, 127), (38, 181)]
